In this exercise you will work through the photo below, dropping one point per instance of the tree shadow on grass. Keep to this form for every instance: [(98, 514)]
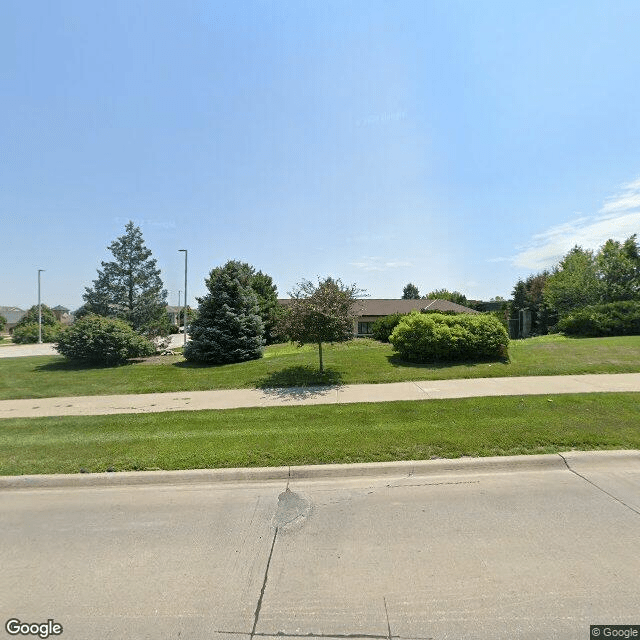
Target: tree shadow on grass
[(300, 383), (76, 365), (396, 361), (192, 364)]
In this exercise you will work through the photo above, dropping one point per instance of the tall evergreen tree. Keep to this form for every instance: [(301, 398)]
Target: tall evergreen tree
[(410, 292), (130, 286), (228, 327)]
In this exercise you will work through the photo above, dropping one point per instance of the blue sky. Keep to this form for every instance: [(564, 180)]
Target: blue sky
[(449, 144)]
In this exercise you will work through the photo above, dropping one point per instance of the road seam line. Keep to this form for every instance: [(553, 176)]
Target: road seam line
[(599, 488)]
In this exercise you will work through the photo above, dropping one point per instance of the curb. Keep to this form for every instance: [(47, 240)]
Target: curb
[(498, 464)]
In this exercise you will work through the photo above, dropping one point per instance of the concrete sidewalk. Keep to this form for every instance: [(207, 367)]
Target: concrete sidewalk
[(240, 398)]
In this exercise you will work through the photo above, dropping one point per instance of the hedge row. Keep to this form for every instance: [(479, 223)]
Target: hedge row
[(611, 319), (438, 337)]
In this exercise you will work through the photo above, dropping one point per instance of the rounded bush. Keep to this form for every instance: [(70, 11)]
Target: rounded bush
[(102, 340), (383, 327), (28, 333), (437, 337)]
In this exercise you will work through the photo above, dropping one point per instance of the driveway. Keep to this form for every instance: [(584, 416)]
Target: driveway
[(532, 547)]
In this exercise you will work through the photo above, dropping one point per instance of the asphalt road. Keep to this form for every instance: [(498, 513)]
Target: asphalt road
[(536, 548)]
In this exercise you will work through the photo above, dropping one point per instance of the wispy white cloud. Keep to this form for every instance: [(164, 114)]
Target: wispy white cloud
[(618, 218), (379, 264)]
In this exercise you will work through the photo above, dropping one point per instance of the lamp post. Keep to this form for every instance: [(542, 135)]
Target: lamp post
[(185, 294), (39, 310)]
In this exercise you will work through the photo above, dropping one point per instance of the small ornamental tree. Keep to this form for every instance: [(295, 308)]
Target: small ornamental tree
[(228, 327), (101, 340), (3, 323), (325, 312)]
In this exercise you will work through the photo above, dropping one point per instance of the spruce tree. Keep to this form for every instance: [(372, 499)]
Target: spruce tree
[(130, 287), (228, 327)]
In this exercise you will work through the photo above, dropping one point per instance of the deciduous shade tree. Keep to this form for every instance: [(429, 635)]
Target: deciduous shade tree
[(574, 282), (321, 313), (445, 294), (618, 268), (26, 330), (31, 316), (410, 292), (3, 323), (228, 327), (130, 287)]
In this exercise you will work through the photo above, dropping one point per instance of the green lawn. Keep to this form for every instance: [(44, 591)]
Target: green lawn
[(359, 361), (321, 434)]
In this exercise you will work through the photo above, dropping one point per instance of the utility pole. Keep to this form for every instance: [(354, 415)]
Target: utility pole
[(39, 310), (185, 295)]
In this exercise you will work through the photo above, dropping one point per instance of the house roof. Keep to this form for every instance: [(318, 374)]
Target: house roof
[(12, 314), (387, 306)]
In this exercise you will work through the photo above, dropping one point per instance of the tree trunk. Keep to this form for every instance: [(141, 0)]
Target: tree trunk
[(320, 354)]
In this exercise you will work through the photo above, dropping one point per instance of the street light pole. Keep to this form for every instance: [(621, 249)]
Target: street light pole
[(39, 310), (185, 295)]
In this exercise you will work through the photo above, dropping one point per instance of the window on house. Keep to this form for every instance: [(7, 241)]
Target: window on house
[(365, 328)]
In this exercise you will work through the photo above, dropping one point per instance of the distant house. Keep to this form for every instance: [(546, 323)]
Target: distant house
[(62, 314), (12, 315), (370, 309), (174, 314)]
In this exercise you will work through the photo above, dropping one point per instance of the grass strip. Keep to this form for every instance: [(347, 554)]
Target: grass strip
[(408, 430), (358, 361)]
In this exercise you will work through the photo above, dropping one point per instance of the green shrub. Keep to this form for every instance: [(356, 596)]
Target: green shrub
[(383, 327), (437, 337), (611, 319), (28, 333), (102, 340)]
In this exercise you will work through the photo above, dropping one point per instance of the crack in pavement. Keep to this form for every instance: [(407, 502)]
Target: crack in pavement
[(386, 613), (264, 586), (354, 636), (624, 504)]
